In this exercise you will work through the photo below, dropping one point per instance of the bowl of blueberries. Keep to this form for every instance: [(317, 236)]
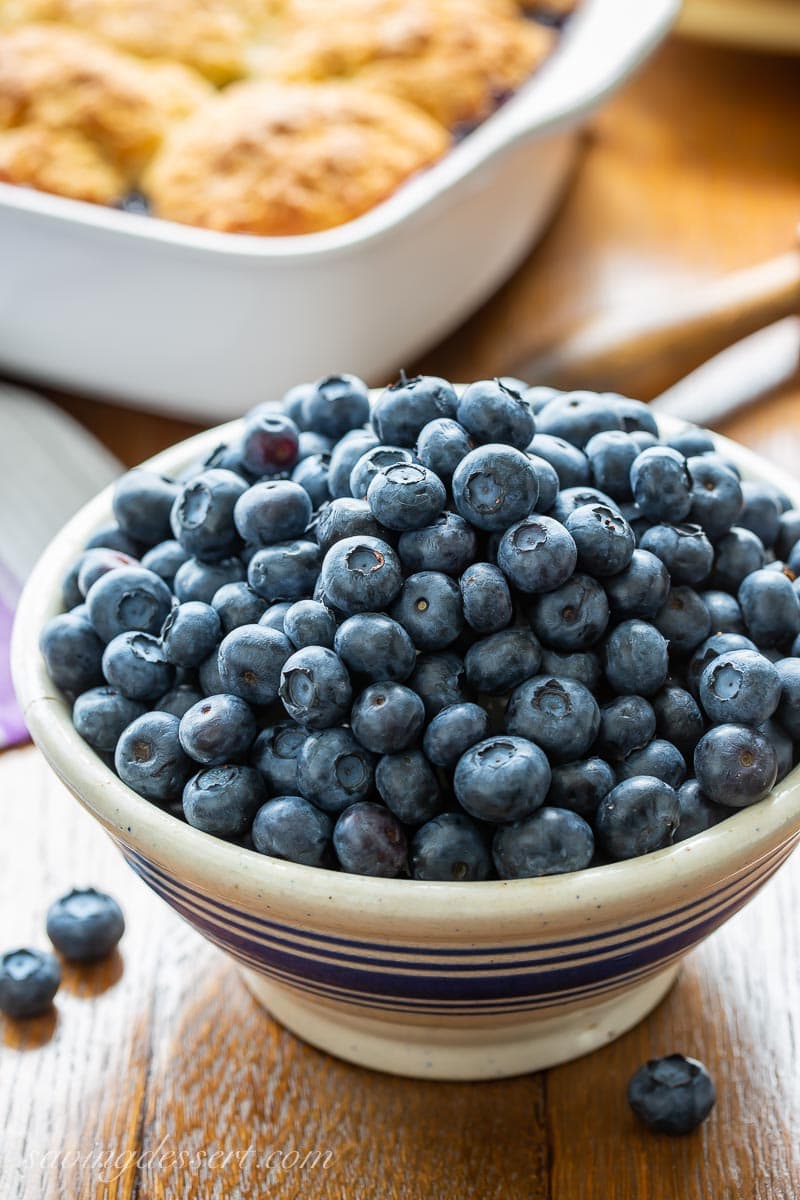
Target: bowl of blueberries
[(455, 715)]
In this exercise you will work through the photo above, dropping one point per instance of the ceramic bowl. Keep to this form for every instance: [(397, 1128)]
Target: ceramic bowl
[(436, 980)]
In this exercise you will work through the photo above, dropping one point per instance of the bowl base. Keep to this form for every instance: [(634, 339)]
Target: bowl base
[(465, 1051)]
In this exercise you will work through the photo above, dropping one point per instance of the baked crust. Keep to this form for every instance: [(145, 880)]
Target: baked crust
[(272, 158), (59, 161)]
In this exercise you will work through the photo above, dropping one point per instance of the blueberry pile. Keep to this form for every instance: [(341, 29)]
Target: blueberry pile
[(508, 632)]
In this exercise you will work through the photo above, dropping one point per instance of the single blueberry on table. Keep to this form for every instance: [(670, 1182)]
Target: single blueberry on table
[(269, 443), (770, 607), (604, 539), (537, 554), (29, 979), (72, 652), (387, 717), (275, 752), (672, 1095), (740, 687), (128, 598), (217, 730), (315, 687), (275, 510), (101, 714), (492, 412), (635, 659), (659, 759), (485, 598), (683, 620), (224, 799), (661, 484), (717, 499), (698, 813), (406, 496), (333, 770), (448, 545), (251, 659), (371, 463), (196, 580), (573, 616), (552, 841), (638, 816), (578, 416), (404, 408), (292, 828), (407, 784), (309, 623), (134, 664), (237, 604), (429, 609), (735, 765), (202, 514), (142, 505), (580, 786), (450, 848), (190, 633), (335, 404), (494, 486), (376, 646), (684, 550), (640, 589), (165, 559), (502, 779), (627, 723), (360, 574), (441, 445), (454, 730), (85, 924), (559, 715), (150, 759), (369, 840), (285, 570), (499, 662), (439, 680)]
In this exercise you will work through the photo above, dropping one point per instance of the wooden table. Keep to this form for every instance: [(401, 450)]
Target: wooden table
[(158, 1077)]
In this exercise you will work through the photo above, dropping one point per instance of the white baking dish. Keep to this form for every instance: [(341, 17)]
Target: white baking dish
[(205, 324)]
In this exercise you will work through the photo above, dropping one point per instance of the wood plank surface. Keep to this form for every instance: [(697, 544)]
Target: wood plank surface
[(159, 1078)]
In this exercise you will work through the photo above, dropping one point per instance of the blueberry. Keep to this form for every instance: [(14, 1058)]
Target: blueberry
[(309, 623), (407, 406), (761, 512), (130, 598), (360, 574), (740, 687), (225, 457), (284, 571), (269, 443), (568, 499), (635, 658), (578, 416), (580, 786), (627, 723), (539, 397), (640, 589), (582, 665), (770, 607), (178, 700), (97, 562), (387, 717), (494, 486), (560, 715), (406, 496), (101, 714), (251, 659), (372, 463), (737, 553), (142, 505), (439, 680), (112, 537), (548, 481), (135, 665), (636, 416), (202, 515), (707, 651), (783, 746), (312, 445), (453, 731), (499, 662), (276, 510), (311, 474), (429, 609), (788, 711), (150, 758), (658, 759), (684, 550), (208, 676), (335, 405), (683, 620), (29, 979), (735, 765), (450, 848), (333, 771), (692, 441), (196, 580), (72, 652), (552, 841), (611, 455), (407, 784), (537, 554), (492, 412), (190, 633), (164, 559), (292, 403), (223, 799), (237, 604), (724, 611), (344, 518), (344, 457), (273, 617), (672, 1095), (716, 495), (275, 752), (219, 729), (697, 811), (678, 718), (788, 532), (570, 464), (485, 598), (448, 545), (502, 779), (661, 484), (369, 840), (315, 687), (290, 827), (85, 924), (441, 445), (374, 645), (573, 616), (638, 816)]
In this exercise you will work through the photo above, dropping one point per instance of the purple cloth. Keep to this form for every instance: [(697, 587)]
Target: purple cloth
[(12, 726)]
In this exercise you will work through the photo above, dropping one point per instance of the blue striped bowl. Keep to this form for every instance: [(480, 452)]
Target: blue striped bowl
[(437, 980)]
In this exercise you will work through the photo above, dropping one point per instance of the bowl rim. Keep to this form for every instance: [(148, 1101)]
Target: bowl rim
[(362, 904)]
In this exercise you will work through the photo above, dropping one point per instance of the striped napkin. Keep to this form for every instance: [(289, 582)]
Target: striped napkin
[(49, 467)]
